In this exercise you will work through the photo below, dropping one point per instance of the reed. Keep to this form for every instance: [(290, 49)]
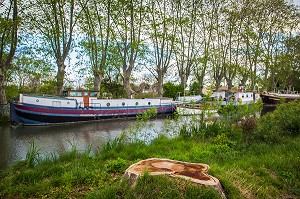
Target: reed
[(256, 169), (32, 154)]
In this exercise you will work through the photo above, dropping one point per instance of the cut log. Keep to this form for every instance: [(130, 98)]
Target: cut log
[(194, 172)]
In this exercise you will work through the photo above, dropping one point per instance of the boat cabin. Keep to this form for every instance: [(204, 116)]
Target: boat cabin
[(236, 98), (76, 99), (83, 97)]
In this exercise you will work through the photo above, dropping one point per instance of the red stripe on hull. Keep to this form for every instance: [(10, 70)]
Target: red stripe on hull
[(58, 111)]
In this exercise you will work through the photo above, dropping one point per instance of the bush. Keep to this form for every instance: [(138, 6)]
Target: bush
[(12, 92), (248, 124), (171, 90), (116, 166), (284, 121), (288, 118), (267, 129)]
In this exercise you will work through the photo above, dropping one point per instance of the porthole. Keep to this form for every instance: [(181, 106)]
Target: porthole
[(136, 103), (37, 100), (123, 103), (68, 102), (149, 103), (242, 96), (108, 104)]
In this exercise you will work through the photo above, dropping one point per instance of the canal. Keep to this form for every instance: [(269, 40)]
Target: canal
[(16, 141)]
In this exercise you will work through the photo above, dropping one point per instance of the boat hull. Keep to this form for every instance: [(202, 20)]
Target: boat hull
[(38, 115), (185, 111), (278, 98)]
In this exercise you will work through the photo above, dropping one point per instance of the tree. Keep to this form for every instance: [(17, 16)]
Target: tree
[(206, 28), (8, 40), (185, 49), (96, 24), (219, 47), (162, 30), (29, 73), (233, 30), (127, 25), (171, 90), (55, 20)]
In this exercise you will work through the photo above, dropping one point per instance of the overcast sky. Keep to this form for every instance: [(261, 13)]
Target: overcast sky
[(297, 2)]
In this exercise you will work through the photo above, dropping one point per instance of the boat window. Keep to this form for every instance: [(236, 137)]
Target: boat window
[(243, 96), (251, 95), (37, 100), (75, 94), (85, 94), (68, 102), (108, 104), (123, 103), (136, 103), (65, 93), (93, 94), (246, 95), (149, 103), (56, 104)]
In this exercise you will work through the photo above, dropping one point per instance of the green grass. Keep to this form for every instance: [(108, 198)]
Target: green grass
[(256, 171), (255, 168)]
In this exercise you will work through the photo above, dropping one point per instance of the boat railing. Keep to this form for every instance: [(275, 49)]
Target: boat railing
[(99, 106), (287, 92)]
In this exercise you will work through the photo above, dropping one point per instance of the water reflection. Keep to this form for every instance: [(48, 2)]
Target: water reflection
[(15, 142), (267, 108)]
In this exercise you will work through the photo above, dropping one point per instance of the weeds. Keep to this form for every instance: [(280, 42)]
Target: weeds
[(284, 121), (265, 165), (32, 155), (116, 166)]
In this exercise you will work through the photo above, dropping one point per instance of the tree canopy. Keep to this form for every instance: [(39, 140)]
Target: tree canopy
[(236, 43)]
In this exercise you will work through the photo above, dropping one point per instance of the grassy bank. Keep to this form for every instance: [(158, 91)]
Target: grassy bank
[(252, 159)]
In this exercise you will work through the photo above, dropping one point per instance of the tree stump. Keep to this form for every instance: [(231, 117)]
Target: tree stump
[(194, 172)]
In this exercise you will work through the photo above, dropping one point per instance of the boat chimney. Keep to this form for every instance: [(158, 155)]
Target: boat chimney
[(21, 98)]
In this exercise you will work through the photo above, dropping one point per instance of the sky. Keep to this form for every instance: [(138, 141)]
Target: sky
[(297, 2)]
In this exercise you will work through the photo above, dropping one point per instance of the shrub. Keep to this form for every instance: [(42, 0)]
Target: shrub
[(248, 124), (288, 118), (116, 166), (284, 121), (32, 154)]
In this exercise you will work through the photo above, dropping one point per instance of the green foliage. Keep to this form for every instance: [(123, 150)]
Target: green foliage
[(12, 92), (112, 147), (248, 124), (148, 114), (289, 117), (112, 90), (48, 87), (234, 113), (258, 169), (171, 90), (32, 155), (149, 186), (116, 166), (145, 95), (215, 132), (284, 121), (194, 88)]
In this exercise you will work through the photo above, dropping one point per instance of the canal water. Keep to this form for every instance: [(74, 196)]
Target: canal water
[(15, 141)]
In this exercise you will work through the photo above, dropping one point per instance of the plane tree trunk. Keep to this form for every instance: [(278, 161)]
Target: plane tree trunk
[(8, 44)]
